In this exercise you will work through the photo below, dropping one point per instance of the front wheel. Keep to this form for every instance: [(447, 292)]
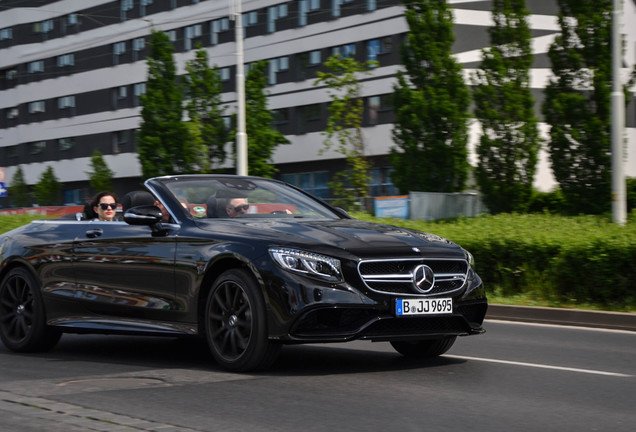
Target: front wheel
[(424, 348), (22, 317), (236, 323)]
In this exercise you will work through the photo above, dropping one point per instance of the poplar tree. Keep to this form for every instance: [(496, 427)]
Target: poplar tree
[(577, 105), (163, 139), (431, 103), (262, 137), (100, 176), (47, 190), (205, 109), (18, 190), (509, 145), (344, 127)]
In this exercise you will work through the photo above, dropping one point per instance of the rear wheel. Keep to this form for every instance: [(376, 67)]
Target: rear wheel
[(236, 323), (22, 317), (424, 348)]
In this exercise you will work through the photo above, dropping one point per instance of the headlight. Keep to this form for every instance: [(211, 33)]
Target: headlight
[(307, 263), (470, 259)]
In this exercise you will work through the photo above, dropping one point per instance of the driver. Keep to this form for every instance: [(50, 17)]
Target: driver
[(236, 207)]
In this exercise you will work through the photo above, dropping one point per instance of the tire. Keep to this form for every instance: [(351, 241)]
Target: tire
[(424, 348), (22, 316), (236, 324)]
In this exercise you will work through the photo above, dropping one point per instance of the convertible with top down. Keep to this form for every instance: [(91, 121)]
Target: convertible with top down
[(290, 269)]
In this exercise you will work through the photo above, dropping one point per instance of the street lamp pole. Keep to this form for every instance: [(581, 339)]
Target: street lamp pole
[(241, 135), (618, 119)]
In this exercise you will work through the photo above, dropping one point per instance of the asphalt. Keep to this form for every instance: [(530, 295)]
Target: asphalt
[(560, 316)]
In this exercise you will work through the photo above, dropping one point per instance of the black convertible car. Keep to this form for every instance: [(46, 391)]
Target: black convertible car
[(287, 269)]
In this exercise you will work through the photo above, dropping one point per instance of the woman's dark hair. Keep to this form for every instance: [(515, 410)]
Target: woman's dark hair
[(101, 195)]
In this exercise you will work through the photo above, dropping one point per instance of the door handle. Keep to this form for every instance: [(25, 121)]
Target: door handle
[(92, 233)]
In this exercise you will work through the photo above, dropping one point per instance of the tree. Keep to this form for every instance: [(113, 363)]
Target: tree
[(163, 140), (204, 107), (100, 176), (577, 105), (19, 191), (344, 126), (262, 137), (47, 190), (431, 103), (504, 105)]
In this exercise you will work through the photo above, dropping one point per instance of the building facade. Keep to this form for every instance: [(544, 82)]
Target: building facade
[(72, 72)]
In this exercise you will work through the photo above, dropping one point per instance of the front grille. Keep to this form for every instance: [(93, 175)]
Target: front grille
[(396, 276)]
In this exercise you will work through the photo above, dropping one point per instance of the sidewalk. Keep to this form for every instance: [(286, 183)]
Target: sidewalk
[(573, 317)]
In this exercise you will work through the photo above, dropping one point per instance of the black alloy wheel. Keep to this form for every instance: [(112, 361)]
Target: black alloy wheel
[(236, 323), (424, 348), (22, 318)]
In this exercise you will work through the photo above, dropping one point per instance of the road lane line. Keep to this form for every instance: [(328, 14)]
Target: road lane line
[(541, 366)]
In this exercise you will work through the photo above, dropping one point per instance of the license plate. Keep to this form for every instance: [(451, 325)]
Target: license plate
[(433, 306)]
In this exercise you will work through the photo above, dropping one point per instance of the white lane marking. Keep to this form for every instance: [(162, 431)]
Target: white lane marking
[(567, 326), (541, 366)]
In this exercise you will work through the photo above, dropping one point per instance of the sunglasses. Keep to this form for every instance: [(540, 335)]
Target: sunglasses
[(238, 208), (105, 206)]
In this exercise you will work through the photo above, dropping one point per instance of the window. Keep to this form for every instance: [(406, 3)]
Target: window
[(308, 118), (380, 183), (249, 19), (275, 13), (304, 7), (6, 33), (371, 5), (316, 183), (73, 196), (43, 26), (11, 74), (120, 138), (172, 35), (191, 33), (122, 92), (224, 73), (13, 113), (375, 105), (138, 45), (124, 7), (348, 50), (36, 148), (216, 27), (66, 102), (276, 65), (36, 66), (13, 152), (119, 49), (69, 22), (138, 90), (66, 60), (335, 6), (37, 107), (142, 6), (378, 46), (65, 144)]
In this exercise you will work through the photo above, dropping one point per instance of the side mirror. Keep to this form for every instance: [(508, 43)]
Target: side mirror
[(143, 215)]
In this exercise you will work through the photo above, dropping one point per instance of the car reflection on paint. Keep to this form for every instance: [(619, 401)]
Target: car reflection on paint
[(292, 269)]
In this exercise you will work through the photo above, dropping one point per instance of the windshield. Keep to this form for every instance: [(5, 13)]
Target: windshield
[(228, 197)]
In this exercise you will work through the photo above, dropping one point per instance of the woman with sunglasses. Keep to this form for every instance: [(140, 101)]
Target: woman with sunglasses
[(105, 206)]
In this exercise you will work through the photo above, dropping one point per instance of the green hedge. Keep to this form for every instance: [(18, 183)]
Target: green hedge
[(554, 260), (561, 261)]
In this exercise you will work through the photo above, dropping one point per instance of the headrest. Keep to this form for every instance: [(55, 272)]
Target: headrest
[(137, 198)]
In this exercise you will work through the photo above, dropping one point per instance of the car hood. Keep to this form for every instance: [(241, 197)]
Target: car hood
[(351, 235)]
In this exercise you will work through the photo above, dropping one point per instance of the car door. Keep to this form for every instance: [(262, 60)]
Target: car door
[(124, 271)]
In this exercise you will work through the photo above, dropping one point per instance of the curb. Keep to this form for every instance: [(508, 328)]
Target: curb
[(560, 316)]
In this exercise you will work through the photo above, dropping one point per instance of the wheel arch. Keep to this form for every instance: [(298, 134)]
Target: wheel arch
[(214, 270)]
